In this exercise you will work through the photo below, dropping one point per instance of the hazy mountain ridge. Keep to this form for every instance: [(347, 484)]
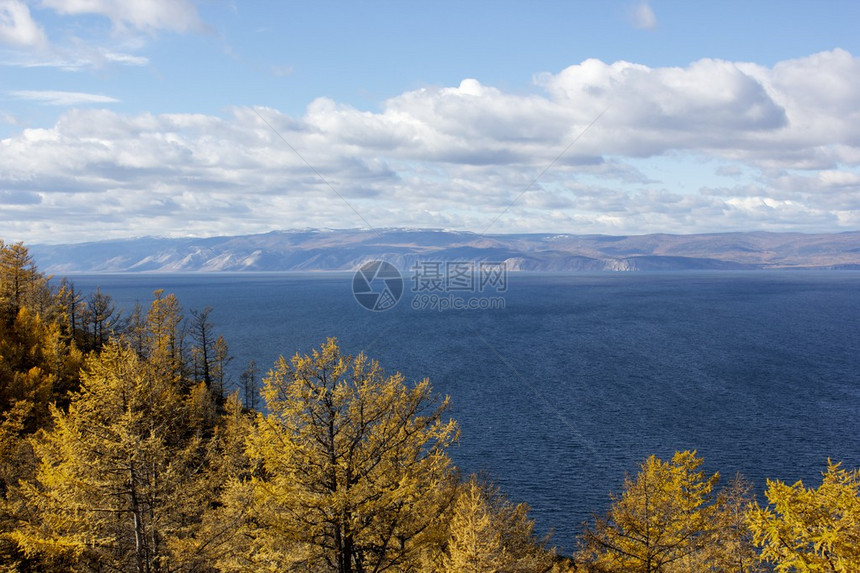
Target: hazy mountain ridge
[(312, 250)]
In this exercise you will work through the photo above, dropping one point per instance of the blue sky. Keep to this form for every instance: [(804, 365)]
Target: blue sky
[(179, 118)]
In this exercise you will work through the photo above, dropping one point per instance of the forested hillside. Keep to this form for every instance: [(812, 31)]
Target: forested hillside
[(122, 450)]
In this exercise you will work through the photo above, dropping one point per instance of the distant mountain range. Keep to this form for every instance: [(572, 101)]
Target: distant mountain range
[(323, 250)]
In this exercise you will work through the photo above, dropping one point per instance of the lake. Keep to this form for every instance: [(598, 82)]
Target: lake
[(581, 376)]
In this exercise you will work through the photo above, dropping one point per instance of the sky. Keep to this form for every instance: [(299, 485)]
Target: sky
[(181, 118)]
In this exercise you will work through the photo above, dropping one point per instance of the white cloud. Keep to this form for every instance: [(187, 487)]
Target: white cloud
[(88, 47), (458, 156), (72, 58), (642, 16), (127, 59), (8, 118), (62, 98), (17, 27), (710, 104), (830, 179), (144, 15)]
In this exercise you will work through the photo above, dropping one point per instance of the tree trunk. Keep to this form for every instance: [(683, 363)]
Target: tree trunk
[(141, 552)]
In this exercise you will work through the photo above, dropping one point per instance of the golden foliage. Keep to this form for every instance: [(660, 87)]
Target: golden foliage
[(811, 530), (488, 533), (122, 479), (661, 518), (352, 471), (39, 365)]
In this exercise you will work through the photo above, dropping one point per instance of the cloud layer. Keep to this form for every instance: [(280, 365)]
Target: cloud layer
[(774, 149)]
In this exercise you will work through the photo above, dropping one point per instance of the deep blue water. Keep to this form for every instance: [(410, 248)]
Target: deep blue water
[(580, 377)]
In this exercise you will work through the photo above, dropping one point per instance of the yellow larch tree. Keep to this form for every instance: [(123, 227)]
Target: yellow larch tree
[(122, 480), (475, 544), (21, 284), (811, 530), (661, 518), (222, 540), (164, 338), (351, 473), (39, 365), (488, 533), (727, 543), (38, 361)]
